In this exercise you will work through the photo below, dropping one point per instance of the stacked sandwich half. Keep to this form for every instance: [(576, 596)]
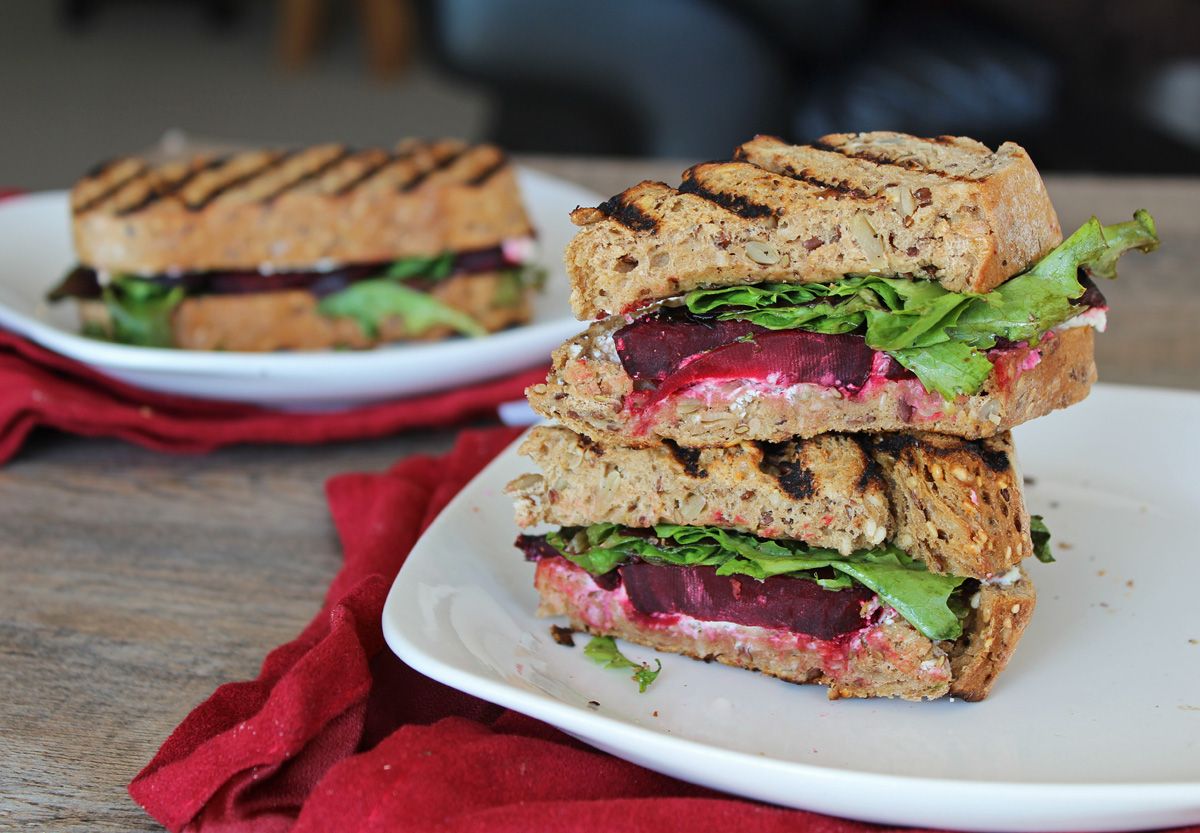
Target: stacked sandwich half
[(784, 443)]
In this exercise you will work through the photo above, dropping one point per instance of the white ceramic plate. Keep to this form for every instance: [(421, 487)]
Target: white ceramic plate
[(35, 239), (1095, 725)]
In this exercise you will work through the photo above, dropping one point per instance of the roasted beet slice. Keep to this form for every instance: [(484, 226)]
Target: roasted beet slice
[(664, 353), (655, 346), (779, 602)]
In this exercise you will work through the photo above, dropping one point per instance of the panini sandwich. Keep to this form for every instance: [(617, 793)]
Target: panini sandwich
[(784, 444), (324, 247)]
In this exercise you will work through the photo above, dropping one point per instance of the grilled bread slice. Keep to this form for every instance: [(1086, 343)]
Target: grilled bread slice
[(955, 504), (589, 391), (275, 210), (890, 659), (945, 209)]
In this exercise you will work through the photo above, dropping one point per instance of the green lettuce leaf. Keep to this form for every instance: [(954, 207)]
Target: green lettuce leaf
[(941, 336), (921, 597), (1041, 539), (140, 310), (434, 268), (371, 301), (603, 651)]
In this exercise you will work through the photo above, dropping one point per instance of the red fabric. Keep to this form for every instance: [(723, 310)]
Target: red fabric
[(337, 734), (41, 388)]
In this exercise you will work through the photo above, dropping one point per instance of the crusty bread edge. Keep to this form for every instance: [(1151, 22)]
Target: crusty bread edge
[(992, 634)]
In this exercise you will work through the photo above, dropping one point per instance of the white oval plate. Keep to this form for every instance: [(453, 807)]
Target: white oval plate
[(1095, 725), (35, 237)]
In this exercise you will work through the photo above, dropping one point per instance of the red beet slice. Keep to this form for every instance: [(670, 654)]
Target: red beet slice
[(655, 346), (779, 602)]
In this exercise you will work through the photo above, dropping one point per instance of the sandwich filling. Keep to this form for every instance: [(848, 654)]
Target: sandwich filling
[(140, 307), (863, 331), (720, 575)]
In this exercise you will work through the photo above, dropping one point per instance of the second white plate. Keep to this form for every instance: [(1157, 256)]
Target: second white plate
[(35, 239), (1095, 725)]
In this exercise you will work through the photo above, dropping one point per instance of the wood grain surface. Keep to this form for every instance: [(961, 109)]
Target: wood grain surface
[(133, 583)]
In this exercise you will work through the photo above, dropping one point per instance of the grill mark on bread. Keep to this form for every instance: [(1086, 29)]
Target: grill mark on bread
[(872, 473), (997, 461), (439, 165), (738, 204), (618, 209), (796, 479), (239, 181), (313, 173), (115, 188), (876, 157), (896, 444), (490, 171), (174, 187), (688, 458), (371, 170)]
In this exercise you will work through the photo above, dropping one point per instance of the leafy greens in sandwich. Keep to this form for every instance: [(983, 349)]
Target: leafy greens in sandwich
[(941, 336), (931, 602)]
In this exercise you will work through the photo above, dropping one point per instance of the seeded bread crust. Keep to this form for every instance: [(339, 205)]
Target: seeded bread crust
[(895, 661), (290, 320), (288, 211), (947, 209), (990, 635), (956, 505), (586, 389)]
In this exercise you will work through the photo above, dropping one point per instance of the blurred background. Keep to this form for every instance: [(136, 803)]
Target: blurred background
[(1085, 85)]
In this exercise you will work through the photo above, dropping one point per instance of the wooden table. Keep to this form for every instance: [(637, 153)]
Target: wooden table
[(133, 583)]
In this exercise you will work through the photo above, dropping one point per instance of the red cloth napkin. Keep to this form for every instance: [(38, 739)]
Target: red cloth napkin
[(41, 388), (338, 734)]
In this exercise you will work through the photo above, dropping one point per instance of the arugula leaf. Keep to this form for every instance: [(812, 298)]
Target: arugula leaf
[(1041, 539), (941, 336), (140, 310), (919, 596), (603, 651), (433, 268), (371, 301)]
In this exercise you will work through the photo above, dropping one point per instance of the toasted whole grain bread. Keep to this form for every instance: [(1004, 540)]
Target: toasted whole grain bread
[(955, 504), (587, 386), (290, 319), (285, 210), (946, 209), (896, 660)]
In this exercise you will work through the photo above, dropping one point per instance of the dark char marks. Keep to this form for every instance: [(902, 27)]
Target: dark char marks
[(796, 479), (895, 444), (872, 472), (739, 204), (490, 171), (155, 194), (689, 458), (312, 173), (239, 181), (627, 214)]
